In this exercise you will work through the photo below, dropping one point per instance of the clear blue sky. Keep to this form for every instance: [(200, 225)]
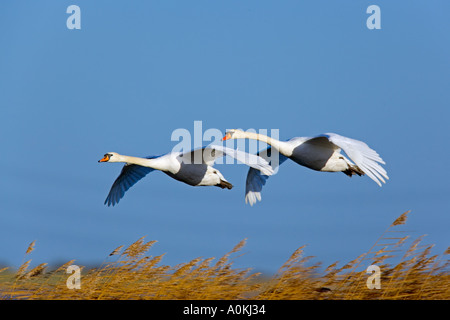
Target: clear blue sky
[(138, 70)]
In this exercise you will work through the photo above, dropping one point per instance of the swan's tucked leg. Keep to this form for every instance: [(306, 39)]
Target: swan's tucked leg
[(224, 184), (352, 169)]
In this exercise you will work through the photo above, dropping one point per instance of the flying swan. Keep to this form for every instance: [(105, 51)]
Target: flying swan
[(194, 168), (321, 153)]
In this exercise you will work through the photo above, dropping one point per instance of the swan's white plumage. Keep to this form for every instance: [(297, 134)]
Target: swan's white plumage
[(320, 153), (249, 159), (181, 166), (362, 155)]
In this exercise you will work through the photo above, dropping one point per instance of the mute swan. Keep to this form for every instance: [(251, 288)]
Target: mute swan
[(321, 153), (194, 168)]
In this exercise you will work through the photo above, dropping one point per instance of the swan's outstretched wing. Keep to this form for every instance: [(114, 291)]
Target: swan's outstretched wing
[(130, 174), (256, 180), (361, 154), (210, 154)]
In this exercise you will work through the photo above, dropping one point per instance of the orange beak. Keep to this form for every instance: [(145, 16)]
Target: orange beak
[(104, 159), (227, 136)]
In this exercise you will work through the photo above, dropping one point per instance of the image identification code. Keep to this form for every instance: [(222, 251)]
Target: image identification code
[(238, 309)]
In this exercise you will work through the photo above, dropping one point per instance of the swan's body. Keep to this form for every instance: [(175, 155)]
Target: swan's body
[(194, 168), (321, 153)]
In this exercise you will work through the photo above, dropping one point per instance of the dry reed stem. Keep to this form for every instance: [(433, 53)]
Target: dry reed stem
[(22, 269), (402, 219), (116, 251), (30, 247), (225, 258), (136, 275), (34, 272)]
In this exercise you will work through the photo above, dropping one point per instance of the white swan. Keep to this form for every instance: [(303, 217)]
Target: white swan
[(194, 168), (321, 153)]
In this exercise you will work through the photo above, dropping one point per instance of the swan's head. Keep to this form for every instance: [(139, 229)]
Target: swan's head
[(234, 134), (110, 157)]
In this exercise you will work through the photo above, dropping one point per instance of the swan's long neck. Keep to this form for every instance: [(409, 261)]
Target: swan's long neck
[(157, 163), (282, 147)]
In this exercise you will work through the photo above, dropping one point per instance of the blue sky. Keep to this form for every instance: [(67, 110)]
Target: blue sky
[(137, 71)]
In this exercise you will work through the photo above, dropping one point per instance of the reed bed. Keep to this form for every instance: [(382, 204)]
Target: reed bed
[(408, 270)]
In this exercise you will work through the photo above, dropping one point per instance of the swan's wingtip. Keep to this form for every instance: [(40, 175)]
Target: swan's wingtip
[(268, 171), (252, 197)]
